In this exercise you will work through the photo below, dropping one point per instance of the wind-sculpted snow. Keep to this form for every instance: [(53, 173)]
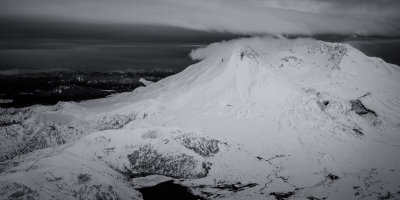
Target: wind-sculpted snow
[(86, 169), (153, 151), (117, 119), (256, 118), (29, 129), (321, 111)]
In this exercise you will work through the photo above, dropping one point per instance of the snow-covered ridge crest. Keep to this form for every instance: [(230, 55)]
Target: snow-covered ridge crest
[(247, 72)]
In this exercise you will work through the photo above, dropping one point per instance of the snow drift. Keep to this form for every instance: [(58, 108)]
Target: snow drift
[(256, 118)]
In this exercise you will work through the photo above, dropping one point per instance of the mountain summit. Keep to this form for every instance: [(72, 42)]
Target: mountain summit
[(255, 118)]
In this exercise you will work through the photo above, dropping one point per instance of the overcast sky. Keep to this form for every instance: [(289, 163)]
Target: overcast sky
[(126, 34), (364, 17)]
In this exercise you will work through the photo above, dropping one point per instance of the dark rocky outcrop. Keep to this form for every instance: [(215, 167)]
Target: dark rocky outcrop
[(202, 145), (83, 178), (358, 107), (281, 195), (147, 161), (18, 191), (332, 177), (235, 187), (99, 192)]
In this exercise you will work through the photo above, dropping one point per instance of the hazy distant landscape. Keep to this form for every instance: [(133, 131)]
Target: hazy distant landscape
[(47, 88)]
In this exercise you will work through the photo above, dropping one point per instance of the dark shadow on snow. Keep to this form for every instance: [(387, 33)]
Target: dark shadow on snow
[(168, 190)]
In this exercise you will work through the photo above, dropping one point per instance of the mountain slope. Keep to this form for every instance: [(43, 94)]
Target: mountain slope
[(255, 118)]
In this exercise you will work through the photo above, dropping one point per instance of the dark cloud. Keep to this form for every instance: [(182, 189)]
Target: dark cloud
[(45, 44), (111, 57), (367, 17), (20, 28), (364, 8), (123, 34)]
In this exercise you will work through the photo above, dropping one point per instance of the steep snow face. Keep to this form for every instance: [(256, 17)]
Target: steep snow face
[(255, 118), (235, 81)]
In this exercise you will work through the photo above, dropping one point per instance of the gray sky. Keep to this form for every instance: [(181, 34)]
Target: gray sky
[(126, 34), (364, 17)]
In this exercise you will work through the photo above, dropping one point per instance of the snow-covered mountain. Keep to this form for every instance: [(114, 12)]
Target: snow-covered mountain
[(256, 118)]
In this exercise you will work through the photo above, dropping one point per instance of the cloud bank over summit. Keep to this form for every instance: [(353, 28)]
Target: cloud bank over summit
[(368, 17)]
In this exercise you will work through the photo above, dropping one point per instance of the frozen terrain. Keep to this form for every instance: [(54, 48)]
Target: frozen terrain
[(256, 118)]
